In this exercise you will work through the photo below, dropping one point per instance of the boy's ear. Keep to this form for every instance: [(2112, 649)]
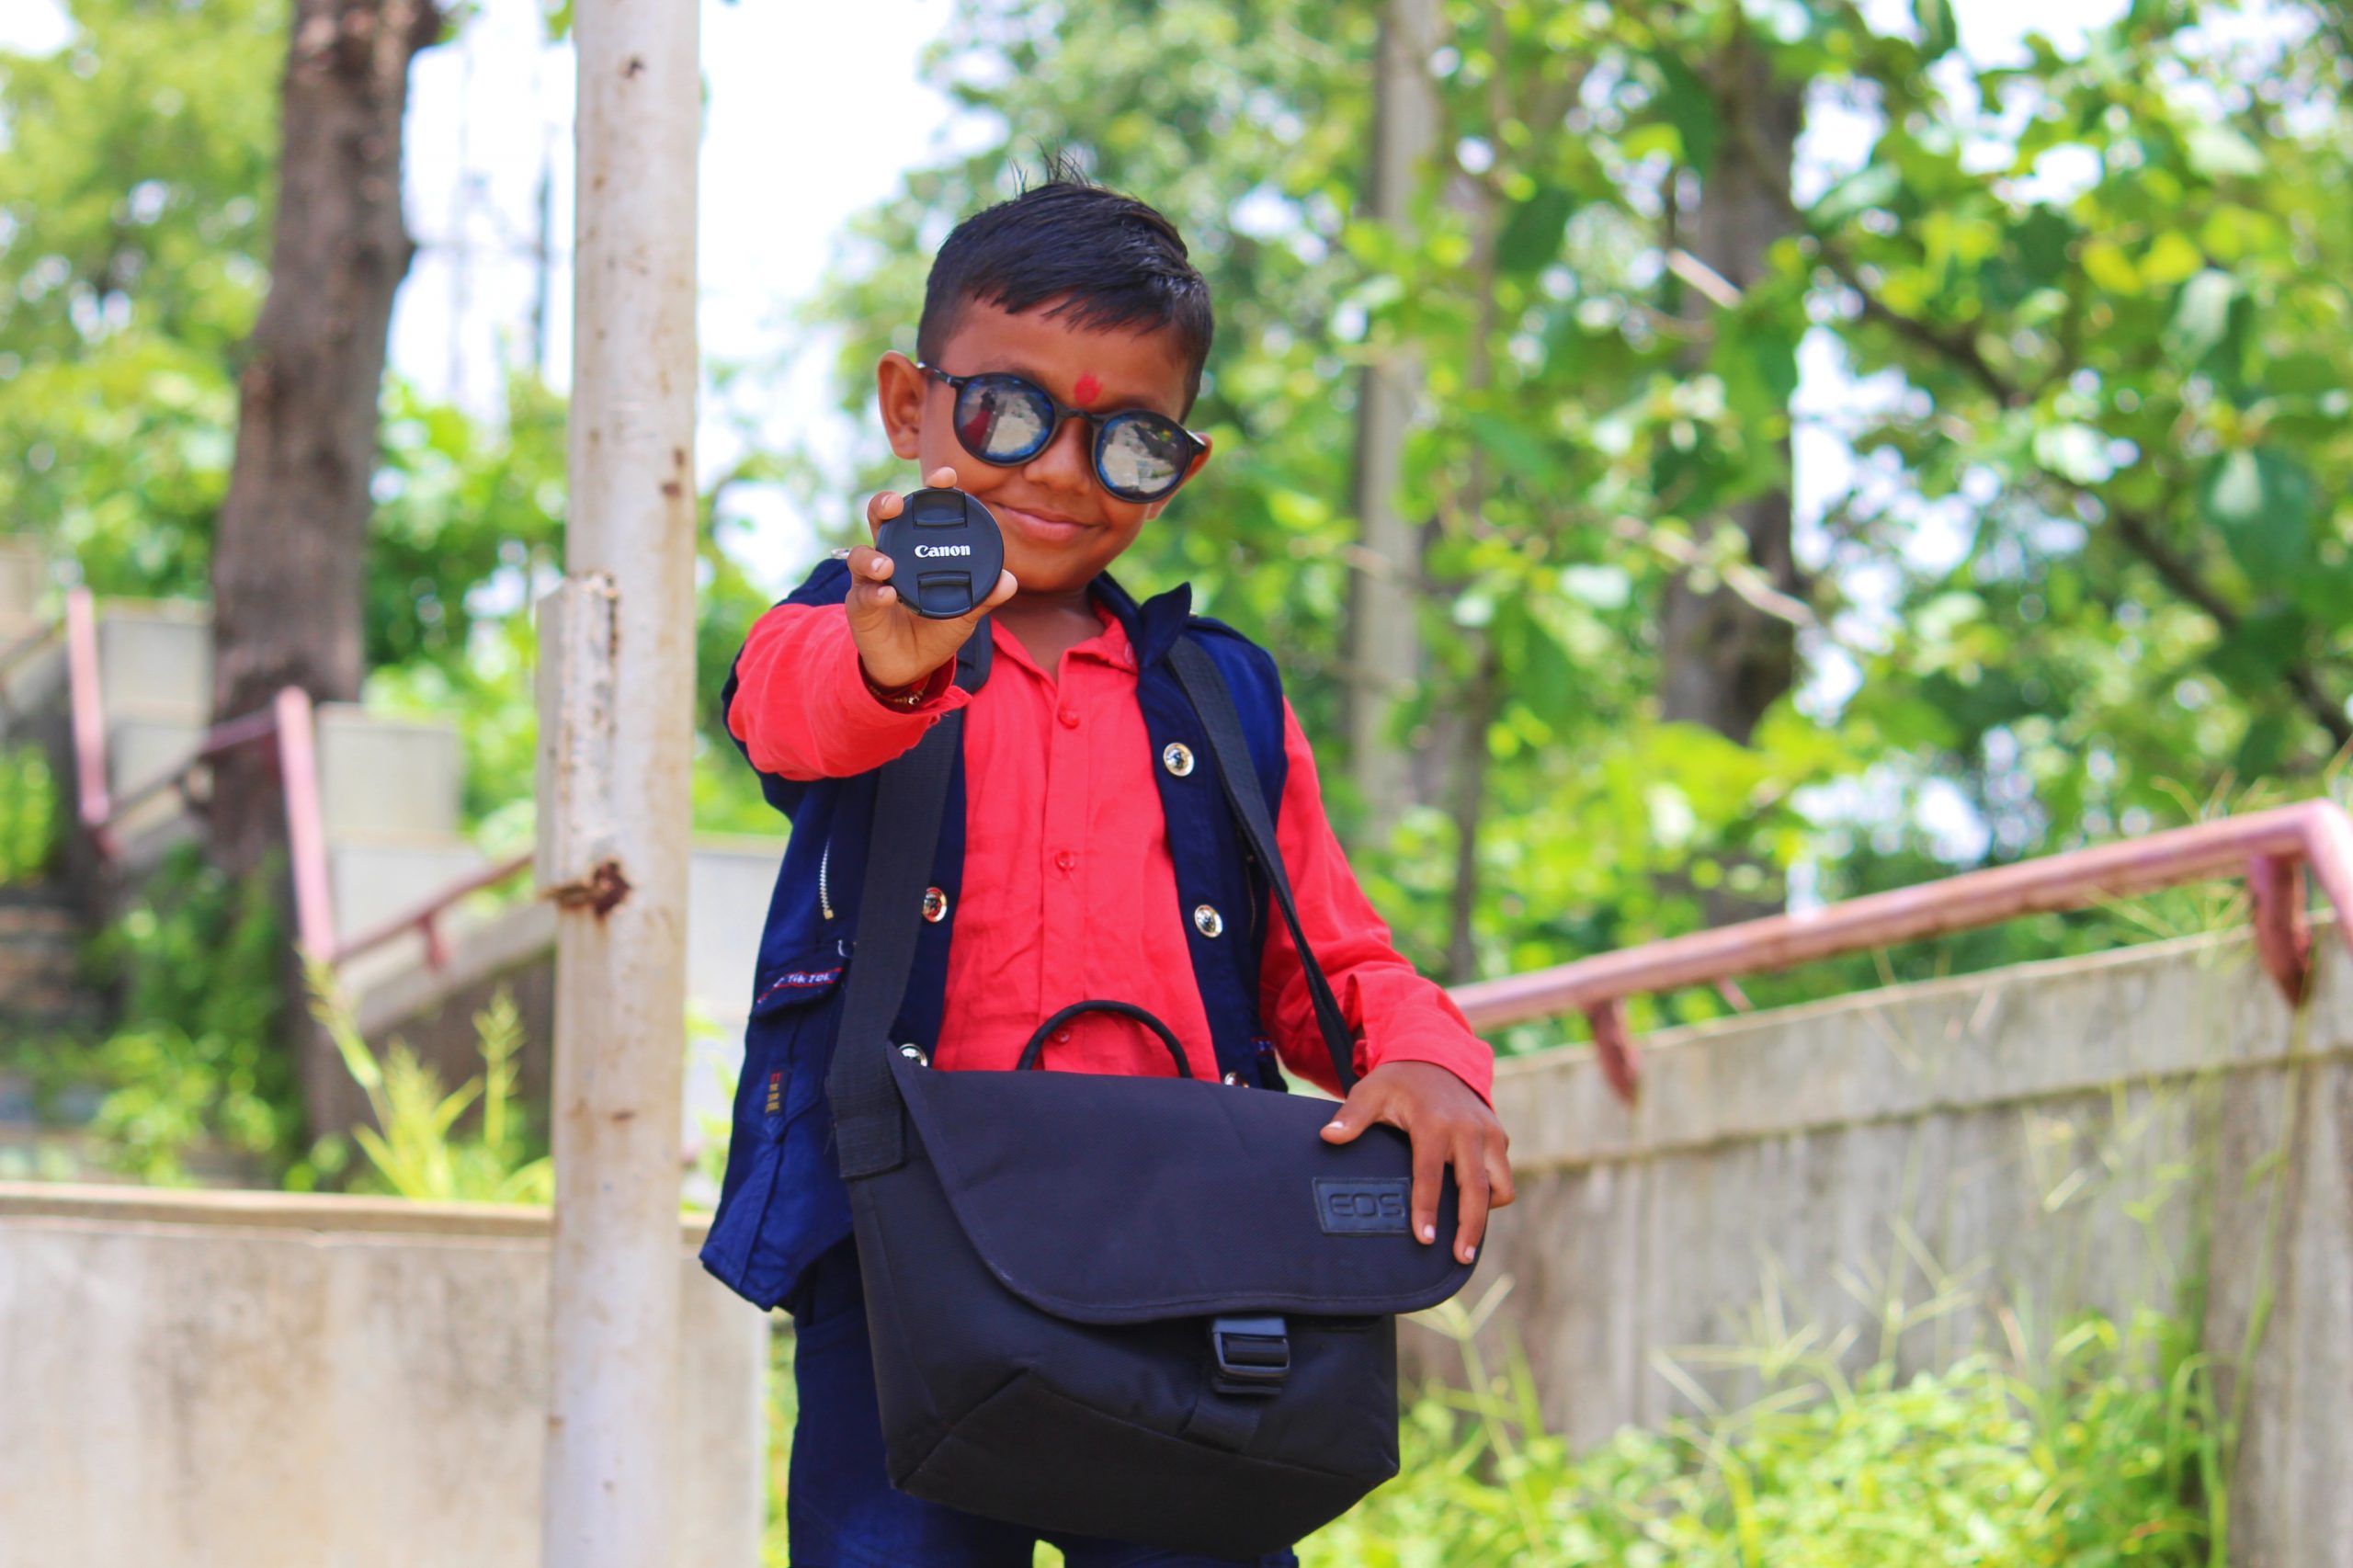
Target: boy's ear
[(1199, 459), (899, 388)]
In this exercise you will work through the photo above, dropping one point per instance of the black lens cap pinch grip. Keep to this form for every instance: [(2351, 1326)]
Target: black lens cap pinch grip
[(946, 552)]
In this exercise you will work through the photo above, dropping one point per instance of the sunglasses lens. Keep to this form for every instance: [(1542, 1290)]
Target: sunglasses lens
[(1003, 420), (1141, 455)]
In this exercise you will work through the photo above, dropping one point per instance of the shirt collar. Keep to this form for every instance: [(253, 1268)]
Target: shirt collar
[(1154, 626), (1110, 645)]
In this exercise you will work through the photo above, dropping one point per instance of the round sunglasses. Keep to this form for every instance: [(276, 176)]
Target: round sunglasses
[(1005, 420)]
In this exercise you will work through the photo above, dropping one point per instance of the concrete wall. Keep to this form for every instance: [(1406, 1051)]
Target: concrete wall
[(261, 1381), (2102, 1132)]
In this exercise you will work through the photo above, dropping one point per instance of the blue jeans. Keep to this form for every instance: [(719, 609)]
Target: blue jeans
[(842, 1509)]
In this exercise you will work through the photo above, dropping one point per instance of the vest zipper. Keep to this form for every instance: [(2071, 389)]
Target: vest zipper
[(824, 900)]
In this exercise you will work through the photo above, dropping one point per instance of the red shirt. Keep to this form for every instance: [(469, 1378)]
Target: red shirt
[(1069, 890)]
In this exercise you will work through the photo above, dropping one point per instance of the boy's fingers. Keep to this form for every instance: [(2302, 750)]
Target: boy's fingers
[(869, 597), (1471, 1196), (1359, 1110), (885, 505), (1429, 1170), (1005, 589), (869, 565), (943, 477), (1499, 1174)]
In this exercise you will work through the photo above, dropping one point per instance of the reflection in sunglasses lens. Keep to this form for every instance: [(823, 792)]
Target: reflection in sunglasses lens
[(1004, 422), (1140, 456)]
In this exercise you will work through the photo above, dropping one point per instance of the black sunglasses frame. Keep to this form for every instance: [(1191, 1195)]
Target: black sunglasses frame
[(1102, 424)]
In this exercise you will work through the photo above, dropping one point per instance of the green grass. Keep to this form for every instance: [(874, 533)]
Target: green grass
[(2106, 1452)]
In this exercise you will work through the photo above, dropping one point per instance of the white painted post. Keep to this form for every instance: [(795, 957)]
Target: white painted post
[(617, 693)]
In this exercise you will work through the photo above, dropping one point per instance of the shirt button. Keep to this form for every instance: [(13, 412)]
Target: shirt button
[(1066, 859), (1069, 716), (1062, 1035)]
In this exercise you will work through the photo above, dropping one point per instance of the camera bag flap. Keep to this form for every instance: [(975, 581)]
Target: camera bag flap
[(1115, 1199)]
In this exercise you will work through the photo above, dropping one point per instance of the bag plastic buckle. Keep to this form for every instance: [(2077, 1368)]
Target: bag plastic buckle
[(1252, 1355)]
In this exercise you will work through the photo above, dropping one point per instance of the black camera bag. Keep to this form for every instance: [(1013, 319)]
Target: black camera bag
[(1156, 1309)]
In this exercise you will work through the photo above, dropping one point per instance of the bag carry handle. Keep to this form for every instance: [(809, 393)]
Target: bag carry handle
[(1198, 673), (1034, 1052)]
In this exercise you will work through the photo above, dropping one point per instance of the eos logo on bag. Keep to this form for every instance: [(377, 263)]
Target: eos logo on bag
[(1365, 1205)]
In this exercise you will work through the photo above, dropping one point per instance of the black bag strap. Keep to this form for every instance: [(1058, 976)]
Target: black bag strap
[(911, 795), (1199, 674)]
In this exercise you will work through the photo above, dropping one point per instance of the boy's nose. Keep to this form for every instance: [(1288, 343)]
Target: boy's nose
[(1068, 459)]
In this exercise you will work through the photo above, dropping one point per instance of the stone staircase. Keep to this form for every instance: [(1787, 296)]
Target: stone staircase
[(390, 798), (42, 996), (41, 991)]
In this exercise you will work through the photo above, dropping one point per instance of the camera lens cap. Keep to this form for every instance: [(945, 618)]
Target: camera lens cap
[(946, 552)]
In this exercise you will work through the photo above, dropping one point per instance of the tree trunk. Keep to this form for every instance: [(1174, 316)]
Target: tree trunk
[(1722, 660), (1384, 641), (287, 558)]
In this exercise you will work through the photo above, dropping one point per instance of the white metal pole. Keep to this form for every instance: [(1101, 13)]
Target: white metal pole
[(617, 732)]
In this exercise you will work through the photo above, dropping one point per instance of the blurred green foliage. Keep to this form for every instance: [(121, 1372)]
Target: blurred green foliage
[(135, 201), (30, 823), (190, 1065)]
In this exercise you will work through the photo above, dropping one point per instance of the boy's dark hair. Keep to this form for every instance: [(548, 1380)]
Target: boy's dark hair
[(1107, 261)]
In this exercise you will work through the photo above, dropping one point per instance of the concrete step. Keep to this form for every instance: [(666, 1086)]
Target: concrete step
[(35, 684), (24, 575), (388, 778), (156, 659), (374, 880)]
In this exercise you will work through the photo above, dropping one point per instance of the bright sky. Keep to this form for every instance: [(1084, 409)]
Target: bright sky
[(813, 114)]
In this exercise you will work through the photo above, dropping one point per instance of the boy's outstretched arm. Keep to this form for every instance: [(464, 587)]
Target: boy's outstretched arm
[(815, 683), (1420, 1068)]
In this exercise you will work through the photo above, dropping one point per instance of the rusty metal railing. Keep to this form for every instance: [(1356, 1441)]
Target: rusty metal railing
[(2272, 849), (289, 721)]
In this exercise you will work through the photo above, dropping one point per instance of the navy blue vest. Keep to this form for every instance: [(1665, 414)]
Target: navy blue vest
[(782, 1202)]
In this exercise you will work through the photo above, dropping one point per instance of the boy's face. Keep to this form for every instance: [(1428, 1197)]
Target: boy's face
[(1061, 525)]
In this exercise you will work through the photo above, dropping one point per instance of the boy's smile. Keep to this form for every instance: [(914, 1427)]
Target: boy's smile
[(1061, 528)]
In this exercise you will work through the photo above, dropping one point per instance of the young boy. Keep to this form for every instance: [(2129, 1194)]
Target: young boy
[(1061, 347)]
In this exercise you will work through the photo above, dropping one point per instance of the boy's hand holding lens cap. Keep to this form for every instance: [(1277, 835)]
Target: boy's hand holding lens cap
[(938, 553), (946, 552)]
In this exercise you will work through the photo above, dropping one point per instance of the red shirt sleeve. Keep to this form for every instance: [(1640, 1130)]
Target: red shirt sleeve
[(1396, 1014), (801, 707)]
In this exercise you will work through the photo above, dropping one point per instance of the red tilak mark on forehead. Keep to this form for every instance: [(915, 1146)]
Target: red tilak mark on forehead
[(1087, 391)]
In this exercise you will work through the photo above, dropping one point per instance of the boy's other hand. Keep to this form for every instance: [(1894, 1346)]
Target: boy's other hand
[(1449, 1125), (898, 647)]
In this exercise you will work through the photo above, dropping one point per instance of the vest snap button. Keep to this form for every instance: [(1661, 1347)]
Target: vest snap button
[(935, 905), (915, 1054), (1235, 1078), (1207, 920), (1178, 757)]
